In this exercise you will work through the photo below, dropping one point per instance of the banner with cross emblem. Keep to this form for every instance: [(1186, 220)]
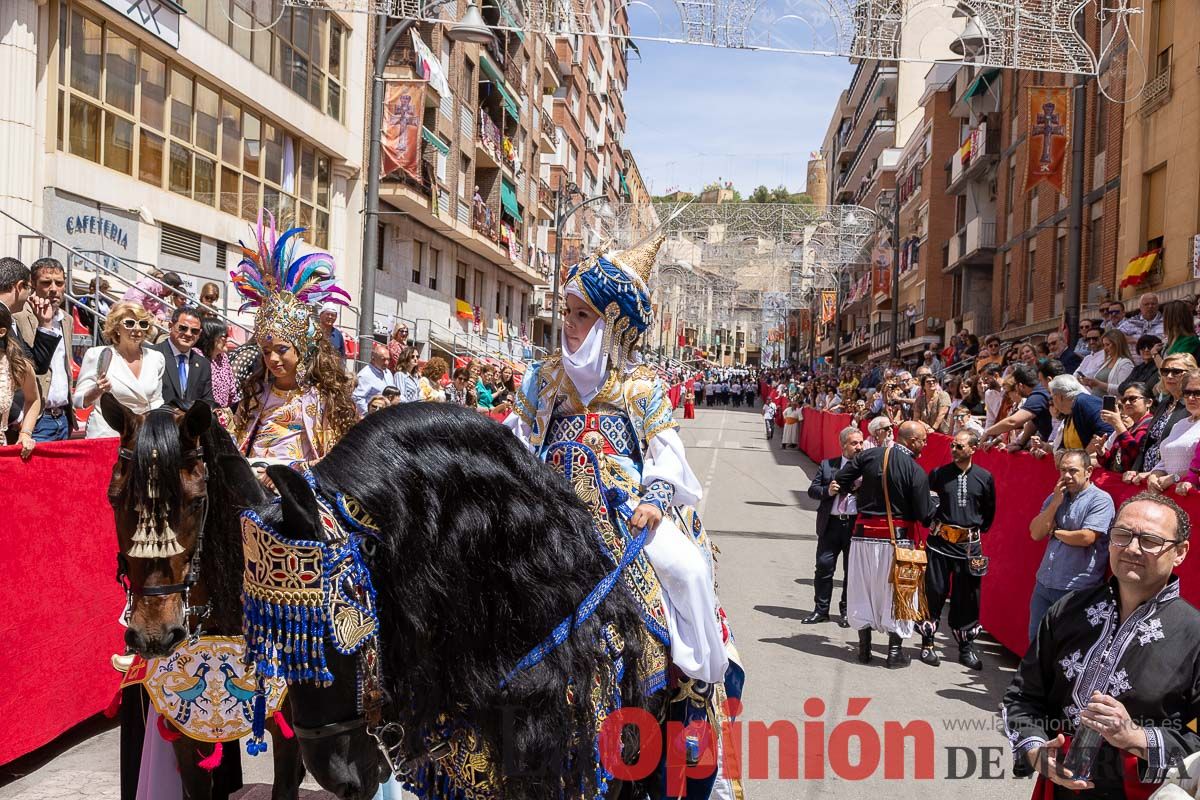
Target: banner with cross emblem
[(1049, 136)]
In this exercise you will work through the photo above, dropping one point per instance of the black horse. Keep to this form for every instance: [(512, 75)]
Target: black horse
[(201, 483), (479, 550)]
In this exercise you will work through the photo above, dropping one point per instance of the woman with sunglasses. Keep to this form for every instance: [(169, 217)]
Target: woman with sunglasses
[(126, 369), (1131, 422), (1170, 411), (1178, 449)]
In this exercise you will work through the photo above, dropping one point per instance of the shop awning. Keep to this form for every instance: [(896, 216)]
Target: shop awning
[(981, 84), (510, 105), (508, 199)]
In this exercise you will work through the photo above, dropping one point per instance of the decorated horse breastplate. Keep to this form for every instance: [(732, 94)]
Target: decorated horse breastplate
[(610, 434)]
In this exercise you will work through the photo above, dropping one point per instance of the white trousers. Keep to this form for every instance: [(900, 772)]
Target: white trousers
[(868, 592), (697, 646)]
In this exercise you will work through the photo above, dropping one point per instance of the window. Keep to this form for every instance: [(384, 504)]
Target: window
[(1162, 16), (1060, 261), (143, 116), (477, 296), (418, 262), (464, 172), (1154, 199), (1012, 184), (435, 262), (1095, 242), (1006, 284), (1101, 122), (460, 281), (508, 299), (1030, 270), (524, 307), (499, 291)]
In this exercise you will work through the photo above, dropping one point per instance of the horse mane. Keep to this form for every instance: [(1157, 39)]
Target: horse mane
[(232, 488), (483, 551)]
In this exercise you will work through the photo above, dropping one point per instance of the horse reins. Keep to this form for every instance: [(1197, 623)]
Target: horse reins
[(193, 572)]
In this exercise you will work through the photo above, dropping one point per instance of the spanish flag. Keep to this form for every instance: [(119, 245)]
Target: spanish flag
[(463, 310), (1135, 271)]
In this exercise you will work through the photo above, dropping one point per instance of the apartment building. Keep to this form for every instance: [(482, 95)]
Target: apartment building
[(1032, 236), (153, 140), (1160, 174)]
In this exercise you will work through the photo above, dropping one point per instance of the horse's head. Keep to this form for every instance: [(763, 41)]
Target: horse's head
[(324, 651), (159, 495)]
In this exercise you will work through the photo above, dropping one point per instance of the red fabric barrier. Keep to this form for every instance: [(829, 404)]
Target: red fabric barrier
[(1022, 484), (58, 592)]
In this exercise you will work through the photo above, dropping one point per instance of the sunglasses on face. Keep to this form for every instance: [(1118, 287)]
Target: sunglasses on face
[(1149, 543), (1192, 394), (1093, 338), (1171, 372), (957, 446), (187, 330), (140, 324), (1133, 398)]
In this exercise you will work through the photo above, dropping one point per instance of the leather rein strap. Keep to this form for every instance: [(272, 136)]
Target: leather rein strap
[(887, 500)]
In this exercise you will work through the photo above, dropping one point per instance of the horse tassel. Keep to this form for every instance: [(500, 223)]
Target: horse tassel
[(285, 730), (212, 762), (167, 731)]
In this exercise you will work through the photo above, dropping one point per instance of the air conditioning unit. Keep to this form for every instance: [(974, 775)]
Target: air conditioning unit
[(933, 323)]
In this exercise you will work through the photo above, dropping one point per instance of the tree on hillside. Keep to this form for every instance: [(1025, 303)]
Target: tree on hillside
[(780, 194), (761, 194)]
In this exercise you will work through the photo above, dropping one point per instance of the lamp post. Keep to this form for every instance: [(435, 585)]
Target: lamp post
[(566, 190), (471, 29)]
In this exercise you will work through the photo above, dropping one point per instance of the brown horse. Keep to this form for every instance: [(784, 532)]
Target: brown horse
[(176, 492)]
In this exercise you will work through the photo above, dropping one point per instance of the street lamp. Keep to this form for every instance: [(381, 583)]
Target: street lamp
[(471, 29), (566, 190)]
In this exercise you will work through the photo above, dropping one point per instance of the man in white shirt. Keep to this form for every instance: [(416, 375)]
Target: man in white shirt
[(1149, 321), (48, 318), (373, 378), (1094, 360), (769, 410)]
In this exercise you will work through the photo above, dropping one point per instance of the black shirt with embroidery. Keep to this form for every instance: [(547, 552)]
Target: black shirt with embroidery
[(969, 503), (908, 485), (1152, 668)]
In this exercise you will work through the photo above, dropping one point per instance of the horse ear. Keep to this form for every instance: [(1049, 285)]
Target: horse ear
[(301, 519), (118, 417), (196, 420)]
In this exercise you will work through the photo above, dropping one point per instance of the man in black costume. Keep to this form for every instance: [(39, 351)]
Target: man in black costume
[(835, 523), (871, 603), (1112, 672), (966, 507)]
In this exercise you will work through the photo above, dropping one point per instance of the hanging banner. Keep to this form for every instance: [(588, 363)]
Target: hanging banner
[(403, 105), (881, 265), (828, 305), (1049, 136)]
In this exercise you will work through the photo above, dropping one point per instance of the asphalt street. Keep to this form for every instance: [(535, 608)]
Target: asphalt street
[(932, 732)]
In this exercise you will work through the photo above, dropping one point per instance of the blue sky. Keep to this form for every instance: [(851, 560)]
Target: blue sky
[(699, 113)]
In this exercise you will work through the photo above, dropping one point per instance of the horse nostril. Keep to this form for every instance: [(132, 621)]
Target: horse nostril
[(135, 640), (174, 636)]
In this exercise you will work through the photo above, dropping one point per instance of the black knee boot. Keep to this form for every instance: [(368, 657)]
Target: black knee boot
[(864, 646), (896, 656), (928, 653)]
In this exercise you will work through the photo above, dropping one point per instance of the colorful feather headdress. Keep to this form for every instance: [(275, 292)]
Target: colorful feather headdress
[(286, 288)]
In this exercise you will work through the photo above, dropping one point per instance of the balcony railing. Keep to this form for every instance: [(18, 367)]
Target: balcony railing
[(482, 218), (971, 239), (981, 147), (546, 122), (490, 137), (545, 194), (884, 121), (1157, 90), (881, 72), (512, 74)]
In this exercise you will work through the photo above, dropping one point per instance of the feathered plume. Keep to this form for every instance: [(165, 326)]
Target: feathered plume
[(272, 267)]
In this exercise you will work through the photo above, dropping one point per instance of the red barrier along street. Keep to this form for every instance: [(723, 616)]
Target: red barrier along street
[(1022, 484), (59, 592)]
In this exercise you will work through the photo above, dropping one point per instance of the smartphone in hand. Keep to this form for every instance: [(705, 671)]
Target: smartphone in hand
[(1110, 402)]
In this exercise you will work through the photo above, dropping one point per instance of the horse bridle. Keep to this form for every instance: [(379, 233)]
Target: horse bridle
[(200, 613)]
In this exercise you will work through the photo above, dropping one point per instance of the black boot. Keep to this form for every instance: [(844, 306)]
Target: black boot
[(928, 653), (864, 646), (968, 657), (896, 656), (815, 617)]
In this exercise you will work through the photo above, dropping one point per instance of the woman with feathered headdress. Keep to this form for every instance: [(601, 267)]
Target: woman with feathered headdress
[(296, 402)]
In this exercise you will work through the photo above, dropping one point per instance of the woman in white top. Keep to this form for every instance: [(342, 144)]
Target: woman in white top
[(133, 374), (1178, 449), (1115, 367)]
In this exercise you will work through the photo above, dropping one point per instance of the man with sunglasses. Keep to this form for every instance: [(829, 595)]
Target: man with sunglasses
[(1114, 314), (990, 355), (188, 376), (44, 316), (1113, 667), (966, 508)]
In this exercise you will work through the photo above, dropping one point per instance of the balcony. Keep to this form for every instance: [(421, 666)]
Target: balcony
[(974, 244), (1157, 91), (547, 131), (881, 130), (545, 198), (978, 153), (512, 75), (489, 142), (882, 75)]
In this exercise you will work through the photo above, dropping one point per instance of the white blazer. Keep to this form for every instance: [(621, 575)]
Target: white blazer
[(138, 394)]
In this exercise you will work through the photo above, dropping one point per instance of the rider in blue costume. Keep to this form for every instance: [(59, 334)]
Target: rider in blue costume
[(600, 415)]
